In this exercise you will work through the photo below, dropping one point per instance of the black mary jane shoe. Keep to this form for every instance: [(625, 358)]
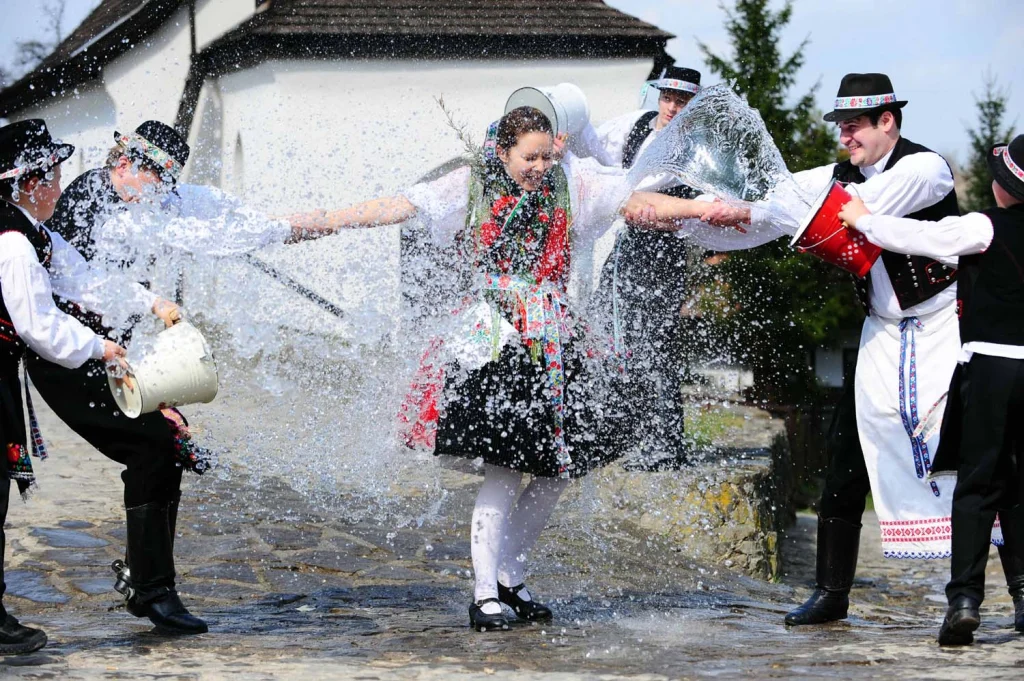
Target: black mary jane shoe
[(481, 621), (962, 620), (17, 639), (531, 611)]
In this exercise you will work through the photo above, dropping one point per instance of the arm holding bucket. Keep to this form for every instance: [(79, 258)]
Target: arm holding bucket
[(944, 240)]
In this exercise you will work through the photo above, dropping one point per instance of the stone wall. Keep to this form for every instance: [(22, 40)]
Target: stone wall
[(728, 509)]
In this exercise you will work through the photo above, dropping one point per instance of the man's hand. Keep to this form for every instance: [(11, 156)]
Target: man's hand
[(852, 211), (559, 146), (114, 356), (167, 311), (721, 214), (112, 351), (645, 217)]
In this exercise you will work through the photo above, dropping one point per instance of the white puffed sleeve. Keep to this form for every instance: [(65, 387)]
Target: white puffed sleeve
[(442, 205), (597, 193), (53, 335)]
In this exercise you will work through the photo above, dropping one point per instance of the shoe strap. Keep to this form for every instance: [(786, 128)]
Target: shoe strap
[(487, 600), (516, 589)]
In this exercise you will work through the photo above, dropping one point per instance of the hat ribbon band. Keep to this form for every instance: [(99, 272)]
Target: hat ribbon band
[(865, 101), (1013, 167), (155, 154), (47, 162), (673, 84)]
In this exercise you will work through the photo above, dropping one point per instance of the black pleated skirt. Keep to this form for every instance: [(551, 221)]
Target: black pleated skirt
[(501, 413)]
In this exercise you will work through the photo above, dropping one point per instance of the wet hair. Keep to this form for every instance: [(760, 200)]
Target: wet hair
[(876, 115), (519, 122)]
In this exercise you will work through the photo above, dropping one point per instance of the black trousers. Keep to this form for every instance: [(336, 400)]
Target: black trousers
[(846, 480), (651, 289), (5, 500), (990, 476), (81, 398)]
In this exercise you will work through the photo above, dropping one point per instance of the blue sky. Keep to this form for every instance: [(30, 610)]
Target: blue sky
[(936, 51)]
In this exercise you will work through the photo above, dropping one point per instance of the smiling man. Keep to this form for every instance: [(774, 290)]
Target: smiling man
[(908, 349)]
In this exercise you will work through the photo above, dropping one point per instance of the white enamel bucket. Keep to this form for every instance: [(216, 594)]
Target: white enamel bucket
[(564, 104), (178, 369)]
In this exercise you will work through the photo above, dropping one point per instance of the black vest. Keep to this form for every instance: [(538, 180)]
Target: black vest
[(990, 297), (914, 278), (641, 130), (13, 220)]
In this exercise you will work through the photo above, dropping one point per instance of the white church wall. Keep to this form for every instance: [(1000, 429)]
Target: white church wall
[(145, 82), (214, 18), (299, 135)]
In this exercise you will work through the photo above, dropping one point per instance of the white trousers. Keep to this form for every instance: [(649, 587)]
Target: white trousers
[(506, 525)]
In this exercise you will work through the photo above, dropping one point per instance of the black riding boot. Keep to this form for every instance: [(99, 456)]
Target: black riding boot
[(150, 550), (838, 544), (1013, 569)]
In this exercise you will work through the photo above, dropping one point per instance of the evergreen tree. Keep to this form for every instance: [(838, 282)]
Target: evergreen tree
[(990, 132), (782, 304)]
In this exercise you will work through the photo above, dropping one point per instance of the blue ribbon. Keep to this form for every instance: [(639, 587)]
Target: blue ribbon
[(922, 460)]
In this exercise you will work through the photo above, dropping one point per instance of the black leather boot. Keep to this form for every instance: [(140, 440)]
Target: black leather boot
[(1013, 568), (150, 550), (16, 639), (525, 610), (962, 620), (481, 621), (838, 545)]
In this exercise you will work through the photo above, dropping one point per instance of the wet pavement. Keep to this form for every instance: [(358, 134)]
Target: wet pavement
[(293, 591)]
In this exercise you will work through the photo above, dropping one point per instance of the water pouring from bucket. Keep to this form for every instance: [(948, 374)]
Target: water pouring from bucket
[(824, 235), (177, 369), (564, 104)]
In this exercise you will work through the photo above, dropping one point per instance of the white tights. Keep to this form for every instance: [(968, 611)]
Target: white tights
[(502, 535)]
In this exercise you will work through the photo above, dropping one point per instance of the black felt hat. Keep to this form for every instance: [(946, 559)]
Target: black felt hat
[(678, 78), (860, 93), (1006, 163), (159, 144), (26, 146)]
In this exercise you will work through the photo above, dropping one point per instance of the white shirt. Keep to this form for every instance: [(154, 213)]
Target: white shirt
[(945, 241), (28, 295), (912, 184), (607, 145)]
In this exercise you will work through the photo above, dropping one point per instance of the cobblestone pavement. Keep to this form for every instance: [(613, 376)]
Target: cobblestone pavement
[(292, 593)]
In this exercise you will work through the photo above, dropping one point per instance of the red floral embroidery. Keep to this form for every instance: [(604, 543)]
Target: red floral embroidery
[(489, 233)]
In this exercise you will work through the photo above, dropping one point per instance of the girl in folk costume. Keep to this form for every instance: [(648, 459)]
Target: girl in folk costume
[(34, 264), (982, 434), (510, 389)]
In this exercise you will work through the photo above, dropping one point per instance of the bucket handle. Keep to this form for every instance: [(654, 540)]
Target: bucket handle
[(804, 249), (850, 187)]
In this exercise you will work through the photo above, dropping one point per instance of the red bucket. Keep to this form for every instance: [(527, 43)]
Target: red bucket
[(824, 235)]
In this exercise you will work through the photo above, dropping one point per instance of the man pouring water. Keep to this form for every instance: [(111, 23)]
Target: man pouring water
[(908, 348)]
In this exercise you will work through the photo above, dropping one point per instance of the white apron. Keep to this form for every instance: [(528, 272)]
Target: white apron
[(903, 369)]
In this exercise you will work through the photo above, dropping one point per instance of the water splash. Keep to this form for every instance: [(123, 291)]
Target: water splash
[(718, 144)]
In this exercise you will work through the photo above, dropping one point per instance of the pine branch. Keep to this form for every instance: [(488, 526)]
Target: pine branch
[(474, 151)]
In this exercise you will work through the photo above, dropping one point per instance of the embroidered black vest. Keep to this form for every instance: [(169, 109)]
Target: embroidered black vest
[(990, 295), (13, 220), (914, 278), (641, 130)]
